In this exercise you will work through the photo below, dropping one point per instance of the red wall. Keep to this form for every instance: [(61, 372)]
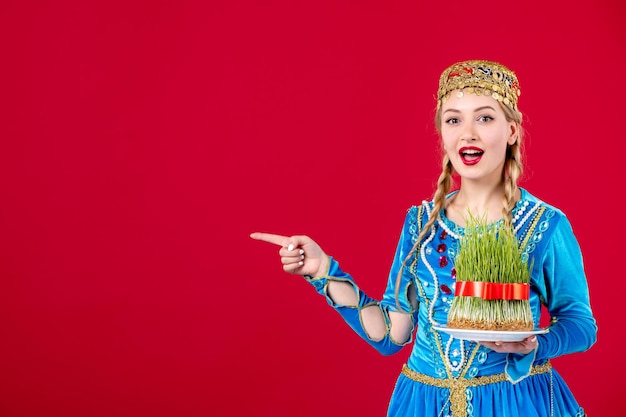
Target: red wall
[(142, 141)]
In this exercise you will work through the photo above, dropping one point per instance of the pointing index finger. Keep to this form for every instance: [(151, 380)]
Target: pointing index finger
[(270, 238)]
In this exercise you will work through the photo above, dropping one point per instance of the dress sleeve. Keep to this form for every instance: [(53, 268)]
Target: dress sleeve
[(400, 281), (560, 279), (352, 313), (572, 327)]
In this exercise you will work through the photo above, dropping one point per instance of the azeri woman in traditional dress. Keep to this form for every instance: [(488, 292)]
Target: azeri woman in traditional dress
[(480, 127)]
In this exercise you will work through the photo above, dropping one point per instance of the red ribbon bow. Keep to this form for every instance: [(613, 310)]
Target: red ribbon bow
[(492, 290)]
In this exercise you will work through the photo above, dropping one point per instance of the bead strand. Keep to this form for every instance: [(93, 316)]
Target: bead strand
[(445, 227), (520, 210), (429, 239), (431, 307), (526, 217), (462, 361)]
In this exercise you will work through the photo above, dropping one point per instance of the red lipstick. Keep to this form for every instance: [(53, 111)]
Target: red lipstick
[(471, 155)]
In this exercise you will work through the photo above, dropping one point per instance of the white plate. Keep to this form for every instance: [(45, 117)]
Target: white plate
[(489, 335)]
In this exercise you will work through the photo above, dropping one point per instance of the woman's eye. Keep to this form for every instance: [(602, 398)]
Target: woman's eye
[(485, 118), (452, 121)]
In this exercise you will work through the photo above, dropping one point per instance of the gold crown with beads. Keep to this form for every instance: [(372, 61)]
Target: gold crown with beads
[(480, 77)]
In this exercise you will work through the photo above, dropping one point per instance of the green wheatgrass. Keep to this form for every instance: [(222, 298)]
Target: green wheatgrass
[(490, 253)]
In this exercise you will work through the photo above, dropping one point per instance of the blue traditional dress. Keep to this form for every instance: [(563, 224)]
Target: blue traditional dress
[(446, 376)]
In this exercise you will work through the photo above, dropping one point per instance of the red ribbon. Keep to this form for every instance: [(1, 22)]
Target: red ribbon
[(492, 290)]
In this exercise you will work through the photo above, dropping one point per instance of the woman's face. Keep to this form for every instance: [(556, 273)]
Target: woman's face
[(475, 135)]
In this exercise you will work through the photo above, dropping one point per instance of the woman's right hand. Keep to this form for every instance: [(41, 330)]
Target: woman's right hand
[(298, 254)]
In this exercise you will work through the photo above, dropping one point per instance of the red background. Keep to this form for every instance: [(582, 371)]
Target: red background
[(142, 141)]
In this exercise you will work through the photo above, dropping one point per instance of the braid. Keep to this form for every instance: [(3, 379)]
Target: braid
[(512, 171), (513, 167), (443, 187), (444, 182)]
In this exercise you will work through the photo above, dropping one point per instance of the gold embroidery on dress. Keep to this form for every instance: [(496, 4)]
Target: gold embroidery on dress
[(457, 386)]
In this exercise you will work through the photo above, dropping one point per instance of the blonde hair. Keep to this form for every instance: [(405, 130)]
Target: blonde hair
[(513, 169)]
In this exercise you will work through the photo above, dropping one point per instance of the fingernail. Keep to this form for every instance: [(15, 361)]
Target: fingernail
[(300, 263), (534, 339), (301, 256), (301, 251), (497, 344), (290, 247)]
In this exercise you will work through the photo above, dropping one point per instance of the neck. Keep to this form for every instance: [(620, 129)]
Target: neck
[(478, 200)]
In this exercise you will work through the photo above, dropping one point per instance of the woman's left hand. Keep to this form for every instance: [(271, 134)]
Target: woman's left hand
[(524, 347)]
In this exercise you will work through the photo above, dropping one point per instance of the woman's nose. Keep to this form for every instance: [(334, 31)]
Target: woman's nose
[(468, 133)]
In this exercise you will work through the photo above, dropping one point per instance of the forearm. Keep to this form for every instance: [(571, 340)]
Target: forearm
[(573, 327), (567, 335), (372, 318), (362, 313)]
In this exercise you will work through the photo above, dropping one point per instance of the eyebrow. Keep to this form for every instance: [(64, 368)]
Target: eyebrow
[(475, 110)]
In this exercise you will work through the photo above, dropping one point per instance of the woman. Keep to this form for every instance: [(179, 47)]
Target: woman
[(480, 127)]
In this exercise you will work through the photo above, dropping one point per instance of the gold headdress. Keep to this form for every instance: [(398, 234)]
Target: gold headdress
[(482, 78)]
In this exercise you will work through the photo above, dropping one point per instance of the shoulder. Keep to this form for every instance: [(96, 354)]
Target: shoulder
[(530, 202), (420, 212), (412, 216), (416, 217), (537, 223)]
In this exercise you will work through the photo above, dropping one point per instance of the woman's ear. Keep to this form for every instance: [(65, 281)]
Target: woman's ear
[(514, 130)]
